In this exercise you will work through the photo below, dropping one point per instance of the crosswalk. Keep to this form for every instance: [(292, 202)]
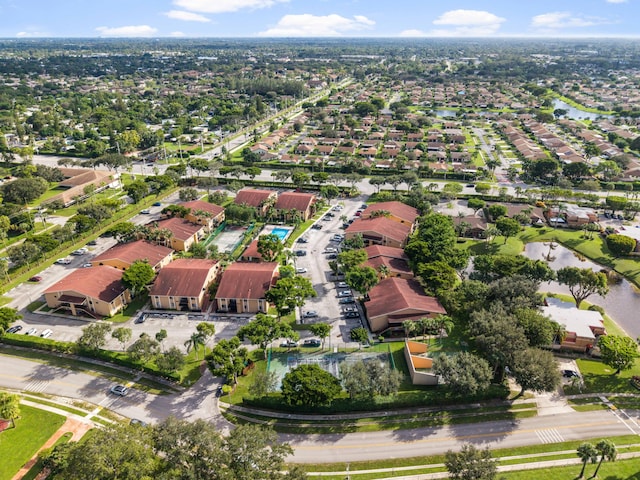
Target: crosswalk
[(549, 435), (36, 386)]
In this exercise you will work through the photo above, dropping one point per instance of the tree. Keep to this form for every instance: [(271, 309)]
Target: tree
[(264, 382), (137, 190), (188, 194), (360, 335), (587, 453), (9, 407), (289, 293), (322, 330), (94, 336), (170, 361), (310, 385), (620, 244), (538, 328), (24, 190), (362, 279), (508, 227), (207, 330), (607, 451), (618, 352), (464, 373), (269, 247), (329, 192), (227, 359), (160, 337), (195, 340), (351, 258), (497, 211), (8, 315), (583, 282), (471, 464), (616, 203), (264, 330), (536, 370), (144, 349), (368, 379), (437, 276), (137, 276), (123, 335)]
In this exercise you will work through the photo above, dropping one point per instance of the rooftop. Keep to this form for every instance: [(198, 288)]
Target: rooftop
[(394, 295), (132, 251), (184, 277), (247, 280), (102, 282)]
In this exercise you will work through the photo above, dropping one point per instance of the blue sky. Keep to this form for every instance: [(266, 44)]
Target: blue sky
[(319, 18)]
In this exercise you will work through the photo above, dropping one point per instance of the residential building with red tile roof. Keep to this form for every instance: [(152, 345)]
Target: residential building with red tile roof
[(251, 253), (258, 199), (395, 300), (388, 261), (380, 231), (184, 232), (95, 292), (304, 203), (183, 284), (243, 287), (122, 255), (397, 211), (204, 213)]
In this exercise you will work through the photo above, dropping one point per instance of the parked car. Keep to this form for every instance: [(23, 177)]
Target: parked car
[(301, 270), (120, 390), (330, 250), (300, 253), (344, 293), (14, 329), (135, 421), (219, 391), (80, 251), (337, 237), (87, 265), (332, 256), (346, 300), (289, 344), (330, 214), (31, 331), (337, 208), (140, 319), (46, 333), (302, 240), (36, 278), (351, 315), (146, 211), (570, 373), (342, 285), (311, 342), (316, 226), (363, 206), (350, 308), (326, 218), (157, 204), (92, 242), (63, 261), (310, 314), (358, 213)]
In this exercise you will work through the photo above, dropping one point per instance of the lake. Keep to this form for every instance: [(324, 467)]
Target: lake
[(622, 303), (575, 113)]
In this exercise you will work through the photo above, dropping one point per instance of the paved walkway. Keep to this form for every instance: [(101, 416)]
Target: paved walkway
[(77, 428)]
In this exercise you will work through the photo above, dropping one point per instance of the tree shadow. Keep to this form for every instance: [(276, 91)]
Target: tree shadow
[(48, 373)]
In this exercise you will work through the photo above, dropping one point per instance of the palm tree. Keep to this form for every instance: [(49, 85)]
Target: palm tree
[(409, 328), (445, 325), (587, 451), (608, 451), (9, 407), (194, 341), (383, 270)]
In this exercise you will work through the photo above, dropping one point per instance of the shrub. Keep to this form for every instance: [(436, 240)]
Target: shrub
[(476, 203)]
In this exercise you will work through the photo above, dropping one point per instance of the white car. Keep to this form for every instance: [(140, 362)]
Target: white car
[(301, 270), (63, 261), (80, 251), (87, 265), (31, 331), (47, 333), (342, 285), (345, 293), (310, 314), (330, 250)]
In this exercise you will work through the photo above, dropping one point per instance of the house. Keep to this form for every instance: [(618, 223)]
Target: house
[(95, 292), (380, 231), (243, 287), (394, 210), (183, 233), (582, 327), (394, 300), (258, 199), (78, 179), (471, 226), (204, 213), (388, 261), (572, 216), (183, 284), (303, 203), (122, 255), (251, 253)]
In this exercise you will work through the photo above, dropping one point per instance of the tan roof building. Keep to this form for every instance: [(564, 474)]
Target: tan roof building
[(204, 213), (380, 231), (183, 284), (76, 179), (243, 287), (95, 292), (395, 300), (184, 232), (122, 255)]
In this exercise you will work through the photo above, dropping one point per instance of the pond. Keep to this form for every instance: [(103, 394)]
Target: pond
[(575, 113), (622, 303)]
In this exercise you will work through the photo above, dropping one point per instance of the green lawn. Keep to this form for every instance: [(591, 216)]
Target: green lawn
[(131, 310), (599, 378), (620, 470), (513, 246), (18, 445)]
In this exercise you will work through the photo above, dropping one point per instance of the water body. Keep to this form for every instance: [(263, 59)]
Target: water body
[(622, 303), (575, 113)]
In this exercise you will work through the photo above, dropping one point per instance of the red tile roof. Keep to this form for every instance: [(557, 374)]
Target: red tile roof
[(393, 295), (103, 282), (297, 200), (252, 251), (184, 277), (212, 208), (397, 209), (247, 280), (252, 197), (382, 226), (383, 251), (132, 251), (181, 229)]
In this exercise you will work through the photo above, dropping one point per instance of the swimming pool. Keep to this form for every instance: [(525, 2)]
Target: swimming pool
[(282, 233)]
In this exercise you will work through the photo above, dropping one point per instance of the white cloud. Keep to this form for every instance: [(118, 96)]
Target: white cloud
[(177, 34), (558, 20), (616, 1), (127, 31), (308, 25), (467, 23), (225, 6), (187, 16), (412, 33), (31, 34)]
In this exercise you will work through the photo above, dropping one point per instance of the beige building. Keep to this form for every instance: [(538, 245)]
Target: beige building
[(303, 203), (243, 287), (122, 255), (380, 231), (184, 233), (258, 199), (204, 213), (95, 292), (183, 284)]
